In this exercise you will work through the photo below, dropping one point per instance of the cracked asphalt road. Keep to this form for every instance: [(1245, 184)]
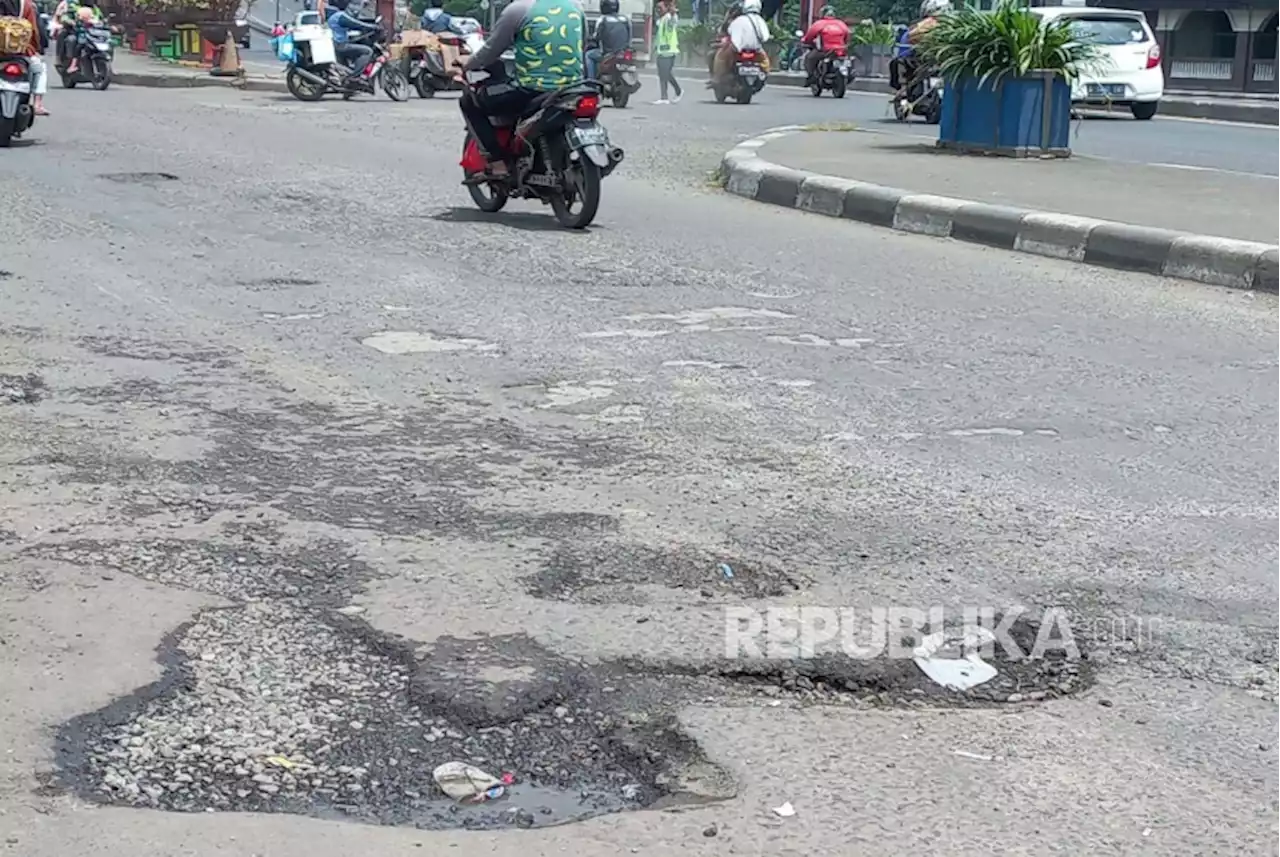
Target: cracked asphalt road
[(313, 478)]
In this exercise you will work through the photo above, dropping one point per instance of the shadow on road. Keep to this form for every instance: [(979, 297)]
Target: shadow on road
[(524, 220)]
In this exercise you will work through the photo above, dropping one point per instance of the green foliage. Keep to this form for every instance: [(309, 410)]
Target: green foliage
[(871, 33), (1008, 41)]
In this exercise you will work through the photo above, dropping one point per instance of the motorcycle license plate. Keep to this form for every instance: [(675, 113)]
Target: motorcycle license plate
[(622, 67), (750, 71), (843, 66), (102, 46), (581, 136)]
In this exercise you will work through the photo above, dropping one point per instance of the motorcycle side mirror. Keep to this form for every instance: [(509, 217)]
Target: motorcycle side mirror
[(799, 34)]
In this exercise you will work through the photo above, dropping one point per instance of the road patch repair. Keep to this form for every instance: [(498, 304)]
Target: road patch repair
[(815, 171)]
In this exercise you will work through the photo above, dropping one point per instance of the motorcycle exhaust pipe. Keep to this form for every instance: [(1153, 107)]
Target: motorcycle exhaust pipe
[(615, 156), (309, 77)]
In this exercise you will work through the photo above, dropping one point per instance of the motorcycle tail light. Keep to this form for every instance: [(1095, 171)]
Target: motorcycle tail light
[(628, 55), (12, 69), (747, 56), (588, 107)]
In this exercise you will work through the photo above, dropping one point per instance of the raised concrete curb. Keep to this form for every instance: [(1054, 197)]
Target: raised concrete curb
[(1202, 258), (166, 80)]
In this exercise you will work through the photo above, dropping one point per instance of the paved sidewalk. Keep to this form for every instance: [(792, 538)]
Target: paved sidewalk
[(1228, 205), (135, 70)]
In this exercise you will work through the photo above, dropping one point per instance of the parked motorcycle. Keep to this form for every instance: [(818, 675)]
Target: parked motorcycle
[(16, 115), (314, 72), (747, 78), (95, 55), (619, 79), (561, 155), (834, 73), (427, 72)]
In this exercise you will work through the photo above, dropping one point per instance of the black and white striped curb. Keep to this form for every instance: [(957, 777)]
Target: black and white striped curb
[(1202, 258)]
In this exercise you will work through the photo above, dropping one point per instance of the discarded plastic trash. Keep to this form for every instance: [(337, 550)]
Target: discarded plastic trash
[(508, 778), (281, 762), (726, 570), (951, 660), (784, 811), (467, 783)]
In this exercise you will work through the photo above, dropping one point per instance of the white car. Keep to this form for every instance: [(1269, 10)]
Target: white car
[(1130, 74)]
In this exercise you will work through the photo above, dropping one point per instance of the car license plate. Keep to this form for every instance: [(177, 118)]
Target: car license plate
[(1111, 89), (582, 136)]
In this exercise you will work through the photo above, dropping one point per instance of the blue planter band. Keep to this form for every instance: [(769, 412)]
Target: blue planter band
[(1015, 117)]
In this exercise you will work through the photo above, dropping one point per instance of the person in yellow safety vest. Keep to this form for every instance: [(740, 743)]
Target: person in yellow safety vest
[(668, 48)]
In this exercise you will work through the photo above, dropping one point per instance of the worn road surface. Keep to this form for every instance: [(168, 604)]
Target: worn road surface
[(313, 478)]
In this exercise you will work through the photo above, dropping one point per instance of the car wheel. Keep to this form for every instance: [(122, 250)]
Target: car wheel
[(1144, 109)]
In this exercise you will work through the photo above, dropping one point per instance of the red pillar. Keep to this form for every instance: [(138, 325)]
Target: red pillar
[(387, 10)]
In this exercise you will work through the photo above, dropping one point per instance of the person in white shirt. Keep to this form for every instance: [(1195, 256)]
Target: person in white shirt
[(746, 31)]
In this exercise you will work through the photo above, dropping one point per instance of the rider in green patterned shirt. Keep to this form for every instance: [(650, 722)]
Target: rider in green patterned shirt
[(546, 39)]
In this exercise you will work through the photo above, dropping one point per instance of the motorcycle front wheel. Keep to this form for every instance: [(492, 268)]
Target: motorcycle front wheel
[(489, 198), (424, 87), (394, 83), (584, 177), (620, 98), (101, 74), (839, 86), (303, 89)]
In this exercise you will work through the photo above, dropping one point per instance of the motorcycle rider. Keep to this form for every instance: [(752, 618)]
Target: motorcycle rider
[(546, 38), (341, 23), (827, 35), (905, 67), (612, 35), (436, 20), (26, 10), (746, 32)]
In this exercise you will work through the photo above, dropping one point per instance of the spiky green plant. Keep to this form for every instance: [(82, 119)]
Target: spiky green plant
[(1008, 41)]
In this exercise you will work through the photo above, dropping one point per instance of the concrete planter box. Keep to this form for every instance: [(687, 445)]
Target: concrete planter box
[(1017, 117)]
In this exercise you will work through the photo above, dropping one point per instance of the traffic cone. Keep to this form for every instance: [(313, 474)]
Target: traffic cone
[(228, 59)]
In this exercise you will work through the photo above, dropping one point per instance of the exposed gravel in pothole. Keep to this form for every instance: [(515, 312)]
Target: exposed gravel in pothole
[(323, 573), (269, 708), (604, 570), (21, 389)]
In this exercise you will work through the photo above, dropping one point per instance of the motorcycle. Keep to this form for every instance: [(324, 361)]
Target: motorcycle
[(427, 73), (561, 154), (313, 70), (834, 72), (95, 54), (16, 115), (921, 97), (619, 79), (746, 79)]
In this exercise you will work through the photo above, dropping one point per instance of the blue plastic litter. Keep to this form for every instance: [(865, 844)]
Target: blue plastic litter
[(726, 570)]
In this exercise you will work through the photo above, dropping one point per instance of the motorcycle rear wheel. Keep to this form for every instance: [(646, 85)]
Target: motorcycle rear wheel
[(816, 89), (424, 87), (303, 89), (839, 86), (7, 129), (586, 180)]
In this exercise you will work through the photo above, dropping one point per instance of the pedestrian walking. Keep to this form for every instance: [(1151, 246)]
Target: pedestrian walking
[(668, 48)]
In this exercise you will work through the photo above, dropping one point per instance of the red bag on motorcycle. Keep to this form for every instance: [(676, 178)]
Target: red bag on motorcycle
[(473, 161)]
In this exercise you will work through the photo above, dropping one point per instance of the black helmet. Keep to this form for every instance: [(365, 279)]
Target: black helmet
[(608, 7)]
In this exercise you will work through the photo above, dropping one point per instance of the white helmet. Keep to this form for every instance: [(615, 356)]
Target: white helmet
[(932, 8), (751, 7)]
